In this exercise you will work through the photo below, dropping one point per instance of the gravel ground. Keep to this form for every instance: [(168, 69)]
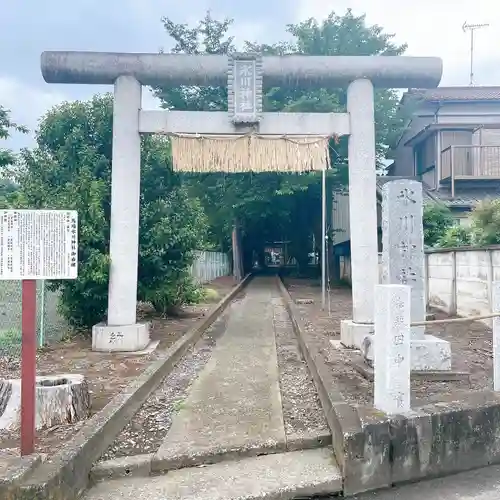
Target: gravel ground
[(302, 413), (150, 425), (471, 347)]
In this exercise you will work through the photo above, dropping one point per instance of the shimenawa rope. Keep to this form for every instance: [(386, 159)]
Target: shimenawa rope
[(249, 152)]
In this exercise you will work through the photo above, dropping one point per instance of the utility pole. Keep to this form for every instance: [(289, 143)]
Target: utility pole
[(472, 27)]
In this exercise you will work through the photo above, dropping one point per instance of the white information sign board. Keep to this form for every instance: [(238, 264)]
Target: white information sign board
[(38, 244)]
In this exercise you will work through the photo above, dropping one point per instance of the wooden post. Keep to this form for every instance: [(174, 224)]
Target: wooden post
[(496, 335), (454, 295), (426, 281), (490, 277), (452, 171), (237, 255)]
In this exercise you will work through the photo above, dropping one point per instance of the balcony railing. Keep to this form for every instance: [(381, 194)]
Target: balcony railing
[(470, 161)]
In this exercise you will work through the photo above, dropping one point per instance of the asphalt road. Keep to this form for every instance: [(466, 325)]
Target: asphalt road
[(481, 484)]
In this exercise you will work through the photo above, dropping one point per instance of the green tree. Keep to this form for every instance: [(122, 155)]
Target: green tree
[(8, 189), (485, 223), (455, 236), (268, 205), (340, 35), (436, 220), (71, 169), (7, 126)]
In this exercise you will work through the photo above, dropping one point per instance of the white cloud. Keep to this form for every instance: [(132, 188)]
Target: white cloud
[(26, 102), (432, 28), (149, 101), (27, 105)]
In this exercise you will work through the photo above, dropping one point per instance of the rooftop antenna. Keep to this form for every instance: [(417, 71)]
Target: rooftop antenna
[(472, 27)]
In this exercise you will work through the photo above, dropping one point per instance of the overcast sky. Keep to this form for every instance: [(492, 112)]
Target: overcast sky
[(28, 27)]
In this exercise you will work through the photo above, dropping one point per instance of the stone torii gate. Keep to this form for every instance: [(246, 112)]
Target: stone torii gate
[(129, 72)]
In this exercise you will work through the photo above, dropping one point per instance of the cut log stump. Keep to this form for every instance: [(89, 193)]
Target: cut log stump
[(60, 399)]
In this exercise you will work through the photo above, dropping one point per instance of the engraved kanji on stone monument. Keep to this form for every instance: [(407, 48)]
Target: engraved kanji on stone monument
[(244, 88), (392, 357), (403, 243)]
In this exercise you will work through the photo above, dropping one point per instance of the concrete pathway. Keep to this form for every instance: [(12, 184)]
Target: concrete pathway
[(233, 412), (235, 403), (281, 476)]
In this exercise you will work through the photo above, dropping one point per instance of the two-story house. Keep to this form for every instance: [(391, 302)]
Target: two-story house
[(452, 144)]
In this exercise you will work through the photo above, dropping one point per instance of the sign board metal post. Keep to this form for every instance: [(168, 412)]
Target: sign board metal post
[(35, 245), (28, 367), (323, 237)]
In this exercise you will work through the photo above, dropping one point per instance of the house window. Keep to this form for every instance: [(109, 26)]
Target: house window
[(419, 160), (463, 220)]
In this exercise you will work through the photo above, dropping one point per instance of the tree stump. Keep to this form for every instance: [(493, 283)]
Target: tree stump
[(60, 399)]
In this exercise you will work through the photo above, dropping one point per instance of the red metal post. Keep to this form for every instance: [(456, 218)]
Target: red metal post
[(28, 367)]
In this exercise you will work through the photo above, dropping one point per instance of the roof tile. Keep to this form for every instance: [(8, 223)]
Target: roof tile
[(381, 180), (457, 94)]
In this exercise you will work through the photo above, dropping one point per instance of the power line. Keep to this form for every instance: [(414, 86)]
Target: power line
[(472, 27)]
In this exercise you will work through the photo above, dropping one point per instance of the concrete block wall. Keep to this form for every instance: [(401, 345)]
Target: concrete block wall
[(439, 281), (459, 280)]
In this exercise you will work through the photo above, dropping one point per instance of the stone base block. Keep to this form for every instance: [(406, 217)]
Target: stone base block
[(127, 338), (353, 334), (430, 353), (427, 354)]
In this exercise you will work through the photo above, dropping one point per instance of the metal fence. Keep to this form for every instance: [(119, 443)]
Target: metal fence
[(51, 326)]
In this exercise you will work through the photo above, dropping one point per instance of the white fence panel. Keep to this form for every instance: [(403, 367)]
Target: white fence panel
[(210, 265)]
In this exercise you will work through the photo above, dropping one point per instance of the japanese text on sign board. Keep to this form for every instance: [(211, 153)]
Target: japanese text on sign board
[(38, 244)]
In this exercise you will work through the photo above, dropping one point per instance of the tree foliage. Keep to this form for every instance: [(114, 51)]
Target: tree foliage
[(71, 169), (436, 220), (455, 236), (7, 126), (8, 189), (483, 228), (269, 206), (485, 223)]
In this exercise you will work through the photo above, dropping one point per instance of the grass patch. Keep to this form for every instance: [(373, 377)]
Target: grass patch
[(10, 338), (210, 295)]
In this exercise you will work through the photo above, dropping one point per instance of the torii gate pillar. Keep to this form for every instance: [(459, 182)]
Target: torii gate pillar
[(362, 213), (127, 72)]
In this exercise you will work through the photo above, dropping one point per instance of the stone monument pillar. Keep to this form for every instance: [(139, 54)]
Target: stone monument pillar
[(362, 213), (403, 264), (403, 243), (122, 333), (392, 349)]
